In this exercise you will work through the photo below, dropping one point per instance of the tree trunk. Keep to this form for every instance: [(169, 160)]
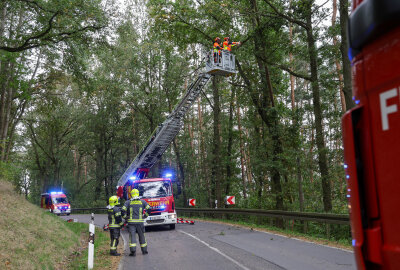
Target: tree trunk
[(270, 117), (229, 172), (344, 18), (216, 170), (322, 150), (337, 64), (181, 171), (242, 153)]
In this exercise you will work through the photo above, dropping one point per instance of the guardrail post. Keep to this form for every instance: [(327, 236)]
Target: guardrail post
[(91, 243)]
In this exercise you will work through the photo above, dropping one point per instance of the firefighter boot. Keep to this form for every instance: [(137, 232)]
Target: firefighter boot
[(133, 253), (114, 253)]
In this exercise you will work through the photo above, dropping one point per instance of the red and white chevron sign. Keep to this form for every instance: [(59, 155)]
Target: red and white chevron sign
[(229, 200), (192, 202)]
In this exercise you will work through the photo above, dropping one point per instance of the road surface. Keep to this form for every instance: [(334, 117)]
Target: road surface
[(211, 246)]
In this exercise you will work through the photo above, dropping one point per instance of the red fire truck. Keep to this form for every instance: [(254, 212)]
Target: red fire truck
[(56, 202), (158, 193), (371, 132)]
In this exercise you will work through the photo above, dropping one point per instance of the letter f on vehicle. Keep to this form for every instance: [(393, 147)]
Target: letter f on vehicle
[(386, 110)]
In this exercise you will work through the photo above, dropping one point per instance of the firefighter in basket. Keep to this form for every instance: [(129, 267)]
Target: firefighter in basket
[(134, 212), (114, 223)]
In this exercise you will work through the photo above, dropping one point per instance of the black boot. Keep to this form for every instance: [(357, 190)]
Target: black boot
[(144, 251), (133, 253), (114, 253)]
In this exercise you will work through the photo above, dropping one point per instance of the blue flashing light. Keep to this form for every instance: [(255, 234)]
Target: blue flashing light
[(353, 242), (357, 102), (348, 195), (354, 98), (55, 192), (168, 175), (132, 178), (349, 54), (162, 206), (347, 176), (345, 166)]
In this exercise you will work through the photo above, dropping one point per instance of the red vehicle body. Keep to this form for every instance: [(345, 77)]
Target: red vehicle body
[(371, 134), (158, 193), (56, 202)]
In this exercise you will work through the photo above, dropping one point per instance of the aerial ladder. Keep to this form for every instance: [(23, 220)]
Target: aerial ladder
[(216, 65)]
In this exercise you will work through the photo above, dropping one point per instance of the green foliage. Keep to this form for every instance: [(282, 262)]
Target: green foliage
[(100, 94)]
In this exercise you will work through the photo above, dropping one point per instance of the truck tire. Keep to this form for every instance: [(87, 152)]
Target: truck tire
[(172, 226)]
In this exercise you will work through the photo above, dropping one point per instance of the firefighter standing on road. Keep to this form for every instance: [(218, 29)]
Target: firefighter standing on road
[(114, 224), (133, 213), (228, 44)]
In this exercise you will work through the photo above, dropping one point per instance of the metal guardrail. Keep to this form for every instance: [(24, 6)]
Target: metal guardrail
[(306, 216)]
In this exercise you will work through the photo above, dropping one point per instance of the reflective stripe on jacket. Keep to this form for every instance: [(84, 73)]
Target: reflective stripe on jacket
[(114, 217), (217, 47), (229, 44), (133, 211)]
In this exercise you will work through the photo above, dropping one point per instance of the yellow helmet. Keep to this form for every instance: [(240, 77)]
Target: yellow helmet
[(113, 201), (135, 194)]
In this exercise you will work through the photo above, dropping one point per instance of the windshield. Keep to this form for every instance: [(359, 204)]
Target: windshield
[(58, 200), (154, 189)]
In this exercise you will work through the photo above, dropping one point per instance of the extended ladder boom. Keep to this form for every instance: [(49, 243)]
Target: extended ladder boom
[(166, 132)]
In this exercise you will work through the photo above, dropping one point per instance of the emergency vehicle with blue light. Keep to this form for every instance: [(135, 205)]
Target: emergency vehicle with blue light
[(371, 133), (56, 202), (158, 193)]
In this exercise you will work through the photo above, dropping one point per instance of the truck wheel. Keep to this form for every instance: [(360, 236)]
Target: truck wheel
[(68, 214), (172, 226)]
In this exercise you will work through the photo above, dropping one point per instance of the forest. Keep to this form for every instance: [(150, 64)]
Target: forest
[(84, 83)]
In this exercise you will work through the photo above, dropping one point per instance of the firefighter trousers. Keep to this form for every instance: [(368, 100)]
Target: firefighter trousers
[(114, 236), (139, 229)]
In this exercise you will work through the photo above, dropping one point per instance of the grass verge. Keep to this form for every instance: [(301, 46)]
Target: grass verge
[(79, 258), (343, 243), (32, 238)]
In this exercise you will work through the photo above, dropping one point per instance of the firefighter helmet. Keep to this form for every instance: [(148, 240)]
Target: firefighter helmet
[(226, 38), (113, 200), (135, 194)]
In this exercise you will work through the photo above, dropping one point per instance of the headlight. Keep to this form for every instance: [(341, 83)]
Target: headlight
[(172, 216)]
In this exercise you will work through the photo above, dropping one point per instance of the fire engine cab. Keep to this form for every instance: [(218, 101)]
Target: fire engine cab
[(56, 202), (371, 133), (158, 193)]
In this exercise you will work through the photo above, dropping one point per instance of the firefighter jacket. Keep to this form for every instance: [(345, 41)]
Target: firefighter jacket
[(229, 44), (217, 47), (133, 211), (114, 217)]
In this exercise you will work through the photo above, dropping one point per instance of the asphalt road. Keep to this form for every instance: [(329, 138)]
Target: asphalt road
[(211, 246)]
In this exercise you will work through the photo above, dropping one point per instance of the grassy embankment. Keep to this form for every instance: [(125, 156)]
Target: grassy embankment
[(31, 238)]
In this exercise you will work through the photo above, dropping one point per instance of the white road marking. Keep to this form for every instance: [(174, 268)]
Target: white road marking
[(216, 250)]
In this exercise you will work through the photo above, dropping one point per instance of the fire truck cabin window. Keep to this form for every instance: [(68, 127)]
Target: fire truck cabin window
[(57, 200), (154, 189)]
